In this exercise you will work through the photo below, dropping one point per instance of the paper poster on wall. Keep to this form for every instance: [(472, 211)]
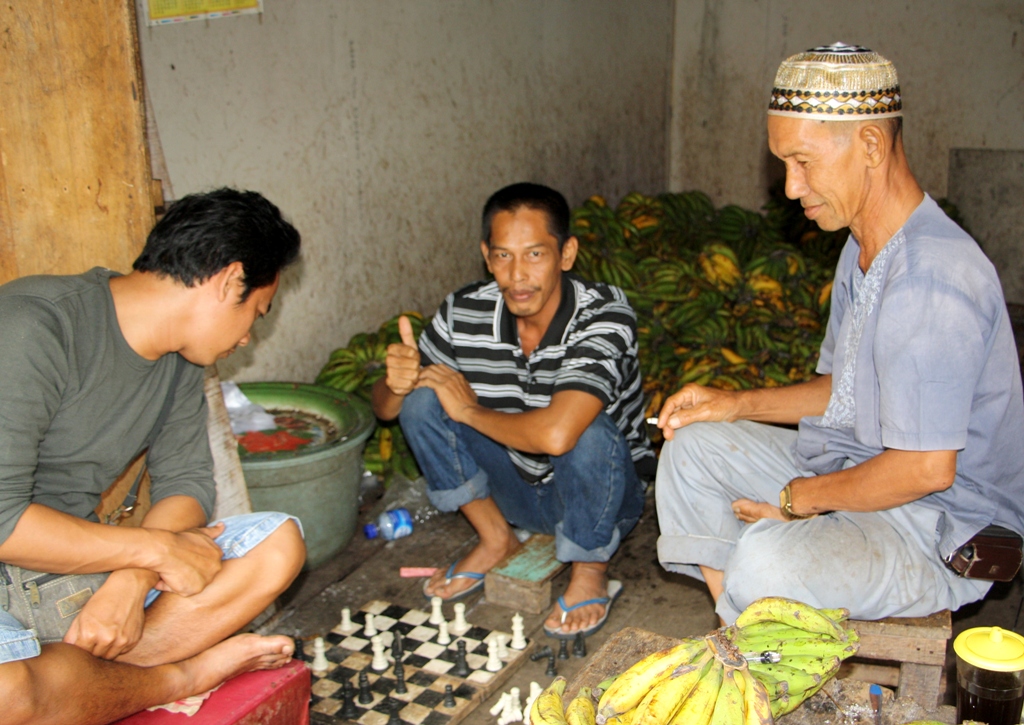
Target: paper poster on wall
[(161, 12)]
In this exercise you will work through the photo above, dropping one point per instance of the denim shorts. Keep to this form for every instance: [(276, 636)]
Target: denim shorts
[(241, 535)]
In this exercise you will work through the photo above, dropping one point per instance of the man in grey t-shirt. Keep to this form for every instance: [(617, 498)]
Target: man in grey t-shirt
[(88, 364), (909, 438)]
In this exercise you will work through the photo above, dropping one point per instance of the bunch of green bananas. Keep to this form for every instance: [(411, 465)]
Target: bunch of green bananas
[(779, 653), (792, 648), (698, 682)]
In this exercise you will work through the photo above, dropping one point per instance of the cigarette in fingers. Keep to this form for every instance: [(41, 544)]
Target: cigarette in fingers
[(653, 420)]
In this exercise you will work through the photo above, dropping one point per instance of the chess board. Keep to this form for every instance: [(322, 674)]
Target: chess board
[(427, 667)]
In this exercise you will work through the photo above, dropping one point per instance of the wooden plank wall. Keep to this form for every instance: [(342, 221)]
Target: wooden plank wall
[(75, 188)]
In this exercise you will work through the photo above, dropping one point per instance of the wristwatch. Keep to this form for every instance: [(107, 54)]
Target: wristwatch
[(786, 504)]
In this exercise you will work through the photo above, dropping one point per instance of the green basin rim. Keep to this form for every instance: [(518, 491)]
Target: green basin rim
[(351, 414)]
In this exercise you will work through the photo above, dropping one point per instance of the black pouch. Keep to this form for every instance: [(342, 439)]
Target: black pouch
[(994, 553)]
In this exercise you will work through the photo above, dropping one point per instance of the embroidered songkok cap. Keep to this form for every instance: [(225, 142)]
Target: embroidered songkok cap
[(836, 83)]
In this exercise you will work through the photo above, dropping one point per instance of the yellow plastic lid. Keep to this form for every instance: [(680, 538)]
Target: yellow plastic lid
[(991, 648)]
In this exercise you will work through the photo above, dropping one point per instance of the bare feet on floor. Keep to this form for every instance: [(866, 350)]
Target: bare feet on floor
[(589, 581), (481, 559), (232, 657)]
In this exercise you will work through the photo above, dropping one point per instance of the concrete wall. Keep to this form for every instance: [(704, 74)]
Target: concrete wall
[(381, 126), (960, 62)]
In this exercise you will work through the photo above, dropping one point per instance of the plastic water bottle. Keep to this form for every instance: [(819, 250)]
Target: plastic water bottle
[(393, 524)]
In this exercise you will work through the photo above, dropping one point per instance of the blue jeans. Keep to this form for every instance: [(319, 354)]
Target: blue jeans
[(241, 535), (593, 500)]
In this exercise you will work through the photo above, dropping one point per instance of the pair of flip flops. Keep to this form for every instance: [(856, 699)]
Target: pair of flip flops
[(451, 576), (614, 590)]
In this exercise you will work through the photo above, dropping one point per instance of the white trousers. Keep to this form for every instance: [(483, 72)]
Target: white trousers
[(878, 564)]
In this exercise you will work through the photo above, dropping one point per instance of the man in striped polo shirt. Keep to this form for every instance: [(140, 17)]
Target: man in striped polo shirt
[(523, 406)]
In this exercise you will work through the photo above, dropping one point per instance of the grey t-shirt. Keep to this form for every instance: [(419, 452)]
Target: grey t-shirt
[(77, 403), (936, 369)]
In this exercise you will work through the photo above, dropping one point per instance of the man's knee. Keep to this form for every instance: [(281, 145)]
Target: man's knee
[(281, 555), (601, 443), (17, 693), (419, 406)]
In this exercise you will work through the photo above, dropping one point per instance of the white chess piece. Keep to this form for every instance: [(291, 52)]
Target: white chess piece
[(535, 691), (515, 705), (320, 663), (436, 615), (499, 706), (380, 660), (442, 633), (502, 638), (346, 625), (518, 640), (370, 630), (493, 663), (460, 626)]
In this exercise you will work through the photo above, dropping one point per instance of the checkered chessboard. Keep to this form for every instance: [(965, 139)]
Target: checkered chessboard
[(427, 670)]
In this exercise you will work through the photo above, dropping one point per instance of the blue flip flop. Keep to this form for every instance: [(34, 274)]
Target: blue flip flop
[(451, 576), (614, 590)]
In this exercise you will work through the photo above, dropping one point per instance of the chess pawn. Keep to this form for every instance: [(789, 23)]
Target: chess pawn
[(442, 633), (436, 615), (370, 631), (460, 626), (320, 663), (502, 649), (449, 696), (515, 705), (499, 706), (518, 640), (380, 660), (346, 626), (493, 663)]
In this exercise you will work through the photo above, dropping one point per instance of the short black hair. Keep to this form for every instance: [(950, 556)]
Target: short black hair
[(201, 234), (531, 196)]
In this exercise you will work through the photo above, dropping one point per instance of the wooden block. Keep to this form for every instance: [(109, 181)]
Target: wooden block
[(880, 674), (922, 683), (523, 580), (625, 648), (917, 640)]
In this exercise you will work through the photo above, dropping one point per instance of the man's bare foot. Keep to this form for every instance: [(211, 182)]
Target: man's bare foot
[(232, 657), (589, 581), (484, 557)]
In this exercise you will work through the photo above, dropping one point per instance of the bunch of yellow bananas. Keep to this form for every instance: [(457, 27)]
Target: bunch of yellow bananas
[(792, 648), (779, 653)]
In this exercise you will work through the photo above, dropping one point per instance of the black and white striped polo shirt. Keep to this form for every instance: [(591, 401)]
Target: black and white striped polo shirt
[(590, 346)]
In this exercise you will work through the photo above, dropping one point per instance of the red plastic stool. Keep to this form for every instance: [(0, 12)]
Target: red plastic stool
[(264, 697)]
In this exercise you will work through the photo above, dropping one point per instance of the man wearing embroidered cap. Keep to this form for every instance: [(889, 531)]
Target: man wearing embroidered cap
[(908, 440)]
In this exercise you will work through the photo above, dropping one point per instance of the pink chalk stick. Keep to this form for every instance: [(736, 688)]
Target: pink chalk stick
[(411, 572)]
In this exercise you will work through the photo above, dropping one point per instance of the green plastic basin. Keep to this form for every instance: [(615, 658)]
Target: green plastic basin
[(318, 480)]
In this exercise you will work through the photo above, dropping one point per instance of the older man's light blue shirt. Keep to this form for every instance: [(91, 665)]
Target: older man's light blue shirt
[(935, 368)]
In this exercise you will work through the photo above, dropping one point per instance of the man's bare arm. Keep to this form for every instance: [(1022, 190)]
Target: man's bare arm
[(789, 404), (403, 370), (553, 430)]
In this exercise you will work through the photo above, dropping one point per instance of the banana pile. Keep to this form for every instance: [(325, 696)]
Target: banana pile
[(779, 653), (354, 369)]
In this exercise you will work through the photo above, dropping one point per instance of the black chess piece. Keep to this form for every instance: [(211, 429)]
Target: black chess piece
[(393, 718), (365, 696), (449, 697), (563, 649), (540, 654), (551, 671), (348, 711), (398, 646), (579, 645), (461, 668), (400, 688)]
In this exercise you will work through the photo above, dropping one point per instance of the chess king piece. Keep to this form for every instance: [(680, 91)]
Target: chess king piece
[(380, 660), (346, 626), (320, 663), (493, 661), (442, 633), (518, 640), (460, 626), (436, 615)]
